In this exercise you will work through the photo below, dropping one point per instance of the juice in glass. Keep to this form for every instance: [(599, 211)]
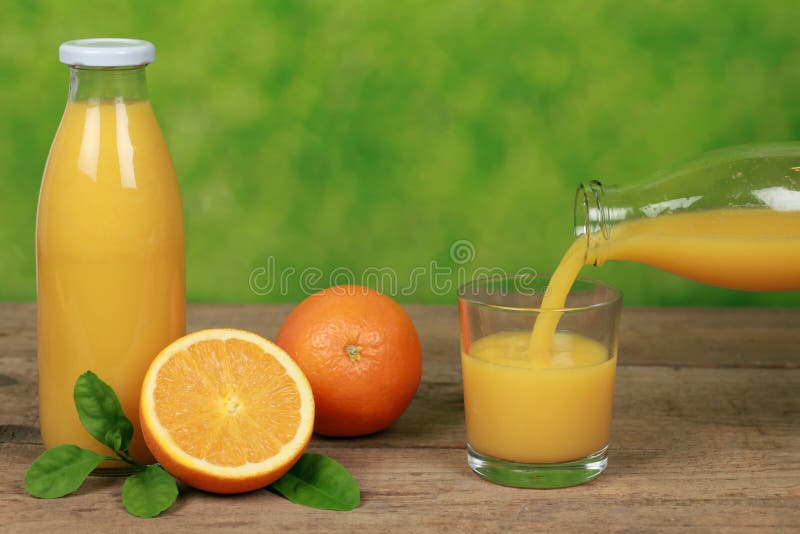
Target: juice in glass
[(521, 412)]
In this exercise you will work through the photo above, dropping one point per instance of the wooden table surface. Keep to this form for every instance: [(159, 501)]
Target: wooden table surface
[(705, 437)]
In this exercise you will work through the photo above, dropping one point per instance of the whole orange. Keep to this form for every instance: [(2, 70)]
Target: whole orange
[(360, 352)]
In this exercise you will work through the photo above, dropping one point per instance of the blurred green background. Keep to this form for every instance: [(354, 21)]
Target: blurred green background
[(364, 134)]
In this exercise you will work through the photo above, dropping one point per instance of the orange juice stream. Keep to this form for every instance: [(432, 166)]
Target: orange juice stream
[(110, 261)]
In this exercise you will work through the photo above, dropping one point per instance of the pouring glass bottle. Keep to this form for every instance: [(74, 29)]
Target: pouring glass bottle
[(730, 219), (109, 241)]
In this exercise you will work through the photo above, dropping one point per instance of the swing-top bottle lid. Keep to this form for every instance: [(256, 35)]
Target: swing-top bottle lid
[(107, 52)]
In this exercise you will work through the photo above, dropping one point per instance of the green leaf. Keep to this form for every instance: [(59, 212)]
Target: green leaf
[(60, 471), (319, 482), (101, 413), (149, 492)]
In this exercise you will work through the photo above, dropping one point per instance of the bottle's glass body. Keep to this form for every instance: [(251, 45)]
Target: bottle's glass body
[(110, 251)]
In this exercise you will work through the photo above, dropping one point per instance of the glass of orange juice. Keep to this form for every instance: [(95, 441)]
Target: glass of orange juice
[(538, 420)]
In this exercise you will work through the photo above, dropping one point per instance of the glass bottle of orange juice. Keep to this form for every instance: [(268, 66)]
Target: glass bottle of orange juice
[(729, 219), (109, 240)]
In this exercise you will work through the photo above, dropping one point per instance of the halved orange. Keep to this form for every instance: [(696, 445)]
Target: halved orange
[(226, 411)]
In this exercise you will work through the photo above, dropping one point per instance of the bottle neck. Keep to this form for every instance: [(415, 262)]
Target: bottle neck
[(590, 215), (599, 208), (107, 83)]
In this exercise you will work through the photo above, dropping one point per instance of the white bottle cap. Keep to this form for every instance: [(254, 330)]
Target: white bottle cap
[(107, 52)]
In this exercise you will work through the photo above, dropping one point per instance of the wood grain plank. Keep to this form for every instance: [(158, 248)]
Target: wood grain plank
[(645, 400), (690, 337), (410, 490)]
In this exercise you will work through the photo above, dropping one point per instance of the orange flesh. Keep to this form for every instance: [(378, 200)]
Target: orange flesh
[(217, 409)]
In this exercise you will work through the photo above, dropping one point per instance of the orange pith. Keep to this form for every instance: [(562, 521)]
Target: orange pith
[(226, 410)]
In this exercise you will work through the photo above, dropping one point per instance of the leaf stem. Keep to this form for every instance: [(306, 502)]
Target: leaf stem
[(125, 457)]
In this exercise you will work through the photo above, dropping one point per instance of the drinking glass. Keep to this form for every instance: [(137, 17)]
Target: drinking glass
[(538, 420)]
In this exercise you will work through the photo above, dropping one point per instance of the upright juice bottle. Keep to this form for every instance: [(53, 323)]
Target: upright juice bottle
[(109, 240)]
